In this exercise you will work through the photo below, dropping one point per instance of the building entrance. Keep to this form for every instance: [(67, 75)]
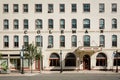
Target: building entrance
[(86, 62)]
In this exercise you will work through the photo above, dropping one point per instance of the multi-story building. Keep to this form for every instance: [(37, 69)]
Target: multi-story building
[(86, 32)]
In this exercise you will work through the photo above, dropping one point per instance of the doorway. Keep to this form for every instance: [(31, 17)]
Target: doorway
[(86, 62)]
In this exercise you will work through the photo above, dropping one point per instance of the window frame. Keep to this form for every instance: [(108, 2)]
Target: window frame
[(5, 8), (86, 7), (25, 8), (15, 8)]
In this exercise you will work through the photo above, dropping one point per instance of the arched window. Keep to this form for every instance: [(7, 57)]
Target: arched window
[(6, 24), (25, 40), (114, 40), (62, 41), (16, 23), (70, 60), (101, 60), (50, 41), (62, 23), (74, 23), (16, 41), (54, 59), (38, 24), (6, 41), (86, 40), (102, 40), (50, 23), (86, 23), (39, 41), (116, 59), (101, 24), (74, 41), (114, 23)]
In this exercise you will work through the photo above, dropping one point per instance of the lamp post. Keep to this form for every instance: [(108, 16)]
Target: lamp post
[(116, 53), (61, 69), (22, 57)]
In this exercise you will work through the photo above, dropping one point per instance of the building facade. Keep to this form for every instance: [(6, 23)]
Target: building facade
[(85, 32)]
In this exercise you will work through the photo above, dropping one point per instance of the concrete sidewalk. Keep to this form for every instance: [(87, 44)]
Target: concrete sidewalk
[(58, 72)]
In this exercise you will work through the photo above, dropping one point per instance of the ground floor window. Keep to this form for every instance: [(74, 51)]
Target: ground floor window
[(116, 59), (54, 59), (101, 60), (70, 60)]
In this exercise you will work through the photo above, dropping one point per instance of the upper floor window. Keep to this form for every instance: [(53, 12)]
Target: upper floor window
[(39, 41), (74, 41), (6, 41), (50, 41), (38, 7), (74, 23), (16, 24), (5, 8), (86, 40), (6, 24), (25, 40), (16, 41), (86, 7), (50, 8), (114, 23), (38, 23), (15, 8), (102, 40), (62, 7), (62, 23), (25, 7), (114, 40), (101, 24), (50, 23), (101, 7), (114, 7), (74, 7), (86, 23), (62, 41), (26, 24)]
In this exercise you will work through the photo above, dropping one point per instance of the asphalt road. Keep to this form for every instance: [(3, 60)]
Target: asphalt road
[(64, 76)]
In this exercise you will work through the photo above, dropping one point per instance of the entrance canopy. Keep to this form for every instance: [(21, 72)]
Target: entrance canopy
[(88, 50)]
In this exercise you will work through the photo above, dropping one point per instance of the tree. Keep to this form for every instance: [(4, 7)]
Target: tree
[(32, 54)]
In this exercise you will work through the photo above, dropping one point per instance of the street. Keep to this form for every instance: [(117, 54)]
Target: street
[(65, 76)]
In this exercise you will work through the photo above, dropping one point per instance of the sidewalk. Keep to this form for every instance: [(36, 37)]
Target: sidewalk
[(58, 72)]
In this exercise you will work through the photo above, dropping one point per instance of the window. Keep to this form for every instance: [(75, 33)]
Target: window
[(114, 40), (62, 23), (101, 7), (86, 23), (114, 7), (70, 60), (5, 8), (38, 23), (102, 40), (54, 60), (26, 40), (86, 7), (62, 41), (114, 23), (26, 24), (62, 7), (74, 41), (6, 24), (6, 41), (116, 59), (101, 24), (16, 41), (74, 7), (25, 8), (16, 24), (50, 41), (15, 8), (50, 8), (39, 41), (38, 7), (101, 60), (74, 23), (50, 23), (86, 40)]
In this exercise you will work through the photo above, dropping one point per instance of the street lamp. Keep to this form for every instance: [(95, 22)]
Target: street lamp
[(116, 53), (22, 57), (61, 69)]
